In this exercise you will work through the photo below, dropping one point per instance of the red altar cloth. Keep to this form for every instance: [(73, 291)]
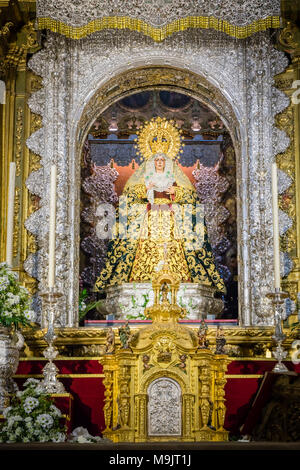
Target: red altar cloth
[(83, 379)]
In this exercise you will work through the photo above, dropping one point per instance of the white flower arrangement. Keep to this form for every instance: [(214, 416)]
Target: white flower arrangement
[(187, 302), (14, 300), (32, 417), (142, 299), (138, 303), (29, 404)]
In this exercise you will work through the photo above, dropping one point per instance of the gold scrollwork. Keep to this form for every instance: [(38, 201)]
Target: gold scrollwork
[(5, 30), (35, 83), (287, 37), (30, 40), (150, 77), (286, 162), (16, 222), (19, 139)]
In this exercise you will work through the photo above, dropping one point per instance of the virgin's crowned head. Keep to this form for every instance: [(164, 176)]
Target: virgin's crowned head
[(159, 167), (159, 162)]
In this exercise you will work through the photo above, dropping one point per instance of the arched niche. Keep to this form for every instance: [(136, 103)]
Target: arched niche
[(109, 158), (165, 79)]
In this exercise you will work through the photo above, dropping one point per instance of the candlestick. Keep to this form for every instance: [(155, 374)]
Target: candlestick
[(50, 382), (51, 274), (275, 228), (278, 297), (10, 213)]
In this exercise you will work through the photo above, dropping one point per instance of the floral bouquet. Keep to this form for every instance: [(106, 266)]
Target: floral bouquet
[(14, 300), (32, 417)]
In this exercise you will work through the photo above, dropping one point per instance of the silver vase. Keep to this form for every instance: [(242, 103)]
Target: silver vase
[(10, 345)]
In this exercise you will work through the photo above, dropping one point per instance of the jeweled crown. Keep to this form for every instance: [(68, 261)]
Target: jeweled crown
[(159, 135)]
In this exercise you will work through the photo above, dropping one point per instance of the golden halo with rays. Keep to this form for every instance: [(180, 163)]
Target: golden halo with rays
[(159, 135)]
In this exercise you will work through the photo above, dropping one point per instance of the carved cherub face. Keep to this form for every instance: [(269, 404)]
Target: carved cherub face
[(146, 358)]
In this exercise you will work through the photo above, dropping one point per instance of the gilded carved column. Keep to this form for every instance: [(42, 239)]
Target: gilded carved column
[(111, 415), (124, 395), (205, 393), (221, 363), (141, 411), (124, 398), (108, 399), (211, 396), (188, 409), (18, 38), (288, 40)]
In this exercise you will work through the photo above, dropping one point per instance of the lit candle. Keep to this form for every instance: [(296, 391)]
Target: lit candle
[(275, 228), (10, 213), (51, 273)]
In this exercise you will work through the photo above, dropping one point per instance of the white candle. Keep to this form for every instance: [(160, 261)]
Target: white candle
[(275, 228), (51, 273), (10, 213)]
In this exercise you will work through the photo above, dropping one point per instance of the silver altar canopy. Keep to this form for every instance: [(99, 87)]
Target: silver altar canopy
[(235, 78)]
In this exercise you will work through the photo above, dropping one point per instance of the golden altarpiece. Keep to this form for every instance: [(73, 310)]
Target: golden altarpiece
[(59, 71), (164, 382)]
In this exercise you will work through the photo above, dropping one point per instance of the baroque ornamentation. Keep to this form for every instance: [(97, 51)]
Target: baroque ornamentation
[(181, 400), (98, 188), (9, 360), (19, 139), (288, 37), (91, 342), (287, 190), (17, 51), (82, 77), (211, 188), (287, 201), (16, 221), (158, 13), (158, 19), (107, 409)]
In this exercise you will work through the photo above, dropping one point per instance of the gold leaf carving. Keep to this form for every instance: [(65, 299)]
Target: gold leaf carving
[(19, 140), (16, 222)]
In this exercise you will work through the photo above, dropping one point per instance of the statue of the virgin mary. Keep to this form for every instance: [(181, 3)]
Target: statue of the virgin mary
[(159, 220)]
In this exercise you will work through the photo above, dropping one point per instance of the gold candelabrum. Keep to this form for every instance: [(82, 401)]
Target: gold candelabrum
[(162, 382)]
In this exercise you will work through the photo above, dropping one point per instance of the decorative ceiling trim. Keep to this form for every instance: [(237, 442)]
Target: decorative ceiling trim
[(158, 34)]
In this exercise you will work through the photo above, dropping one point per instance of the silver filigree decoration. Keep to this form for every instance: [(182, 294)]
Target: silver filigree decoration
[(35, 222), (99, 187), (284, 181), (286, 264), (164, 408), (285, 222), (241, 71), (33, 184), (33, 265), (210, 188), (36, 144), (157, 12)]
